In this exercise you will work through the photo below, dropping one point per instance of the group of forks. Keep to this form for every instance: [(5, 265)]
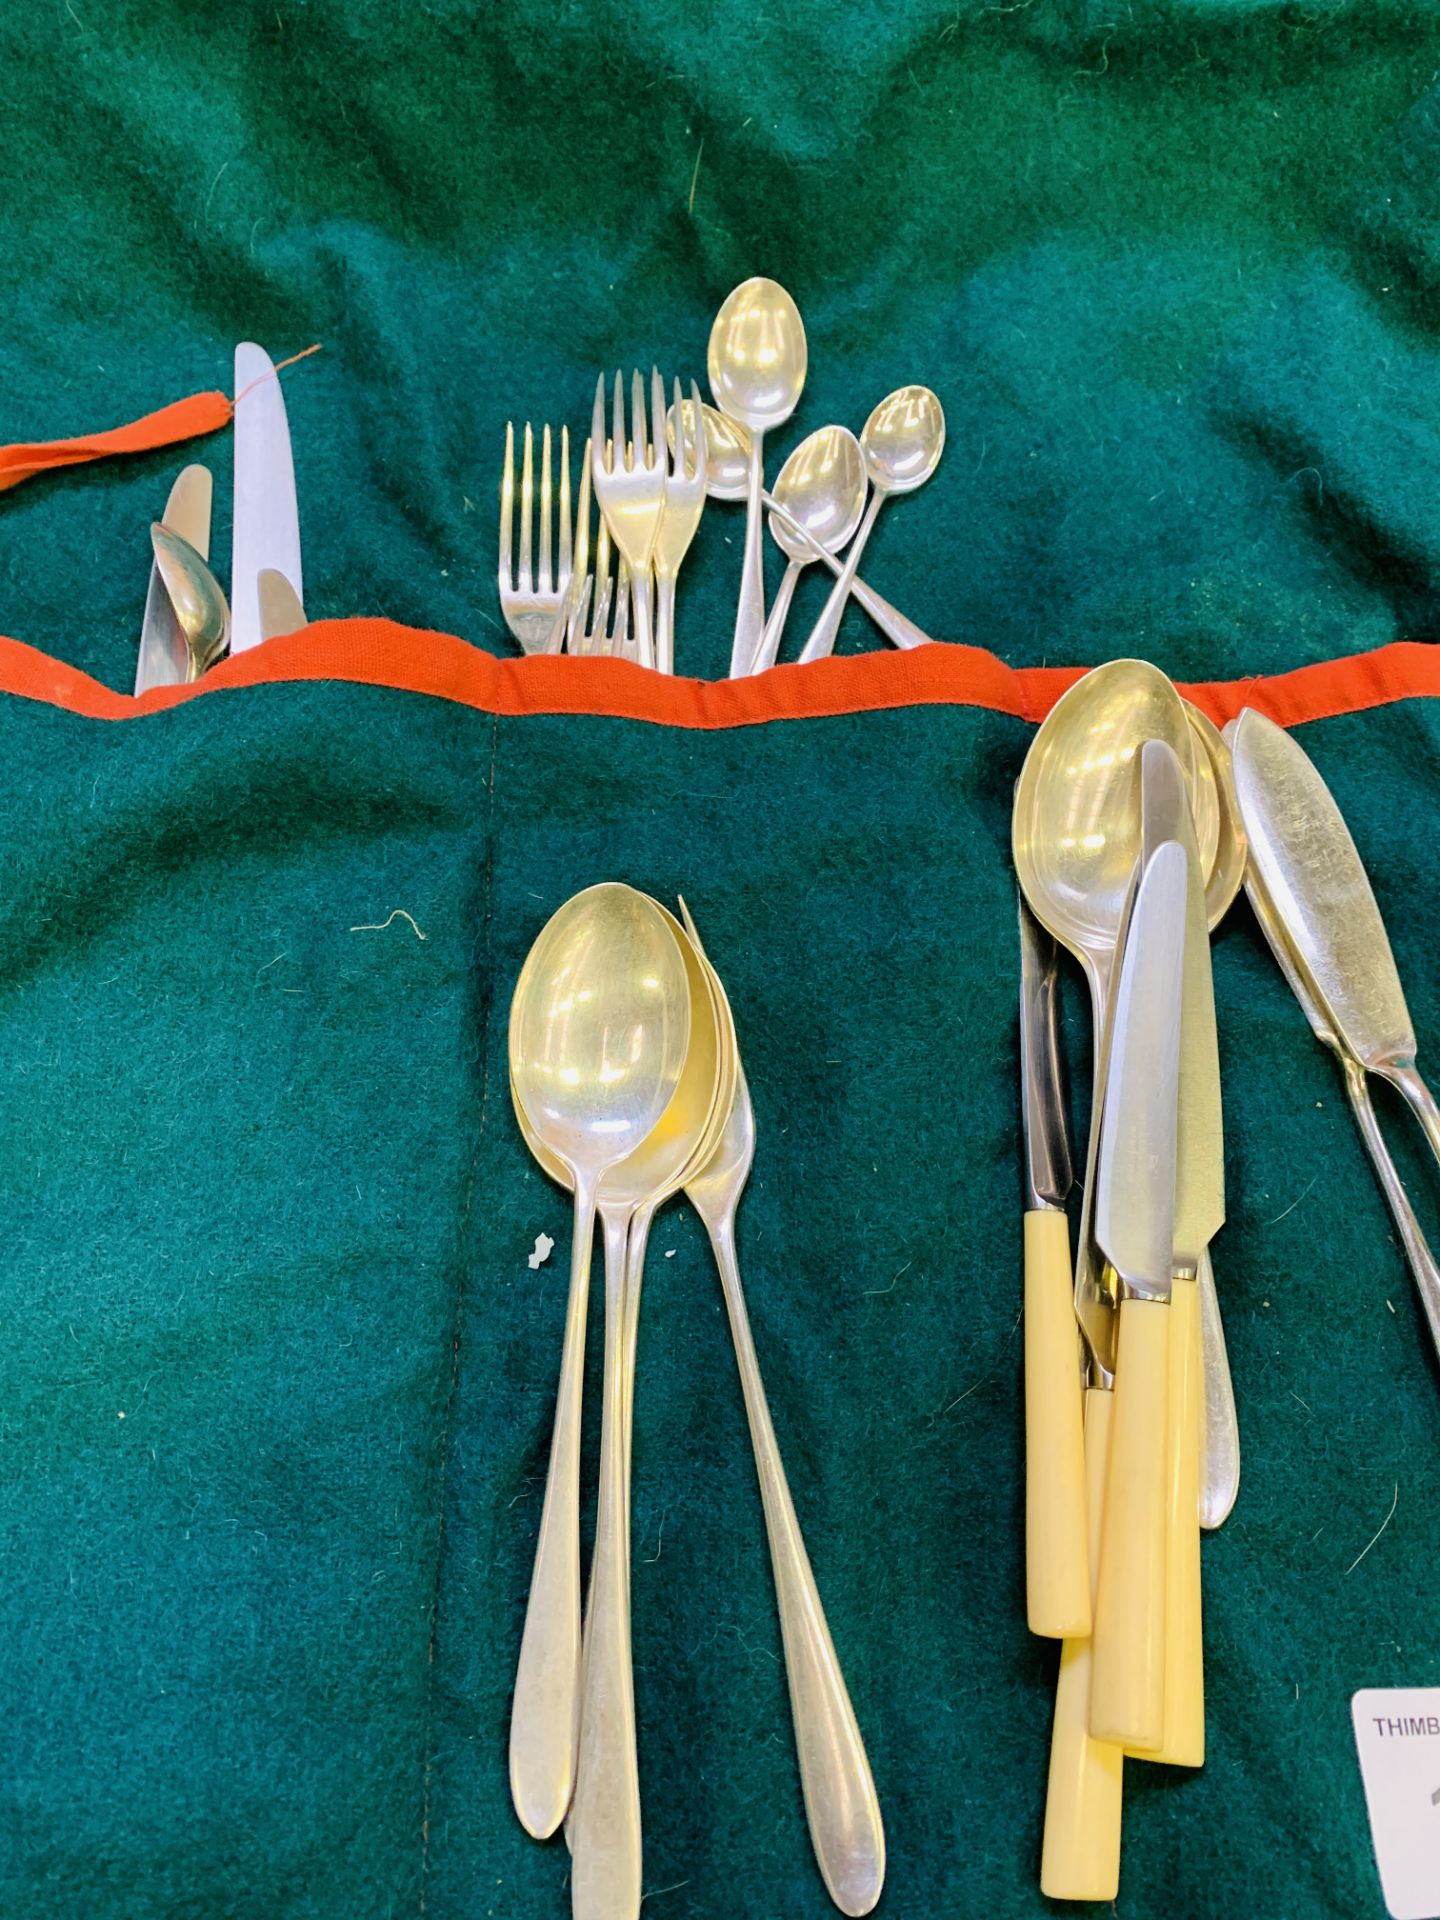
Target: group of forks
[(649, 487)]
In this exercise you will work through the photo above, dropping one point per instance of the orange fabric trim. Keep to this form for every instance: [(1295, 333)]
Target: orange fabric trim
[(380, 653), (181, 420)]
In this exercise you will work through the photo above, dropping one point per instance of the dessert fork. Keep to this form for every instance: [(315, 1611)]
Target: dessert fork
[(684, 503), (629, 478), (535, 607)]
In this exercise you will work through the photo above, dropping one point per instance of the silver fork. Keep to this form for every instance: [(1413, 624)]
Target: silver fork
[(629, 477), (590, 632), (587, 629), (684, 503), (535, 608)]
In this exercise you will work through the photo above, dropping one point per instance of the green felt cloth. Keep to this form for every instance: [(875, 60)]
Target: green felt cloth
[(1172, 272)]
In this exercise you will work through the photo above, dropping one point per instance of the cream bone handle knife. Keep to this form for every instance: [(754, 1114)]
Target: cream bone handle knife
[(1134, 1228)]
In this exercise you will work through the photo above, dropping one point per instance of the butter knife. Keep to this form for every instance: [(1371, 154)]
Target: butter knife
[(1317, 909), (267, 521), (164, 657)]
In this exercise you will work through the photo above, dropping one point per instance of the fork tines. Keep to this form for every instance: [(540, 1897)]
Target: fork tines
[(535, 606)]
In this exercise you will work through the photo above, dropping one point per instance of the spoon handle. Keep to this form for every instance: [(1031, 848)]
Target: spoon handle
[(605, 1830), (1220, 1445), (545, 1712), (665, 621), (823, 633), (841, 1807), (891, 622), (769, 649), (750, 610), (1423, 1268)]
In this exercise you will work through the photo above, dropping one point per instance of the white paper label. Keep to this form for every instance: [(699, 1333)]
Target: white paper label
[(1397, 1731)]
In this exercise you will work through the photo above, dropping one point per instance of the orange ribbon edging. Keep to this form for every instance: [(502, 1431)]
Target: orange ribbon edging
[(381, 653), (181, 420)]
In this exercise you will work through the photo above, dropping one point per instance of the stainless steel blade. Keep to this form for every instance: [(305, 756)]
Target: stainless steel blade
[(267, 521), (1318, 890), (1135, 1172), (164, 658), (1200, 1155), (1049, 1173)]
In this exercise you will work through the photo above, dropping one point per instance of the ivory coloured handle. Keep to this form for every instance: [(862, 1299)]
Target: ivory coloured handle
[(1184, 1742), (1080, 1855), (1057, 1563), (1127, 1679)]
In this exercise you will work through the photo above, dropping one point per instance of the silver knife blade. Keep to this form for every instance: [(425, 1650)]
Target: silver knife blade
[(1200, 1155), (1135, 1171), (164, 657), (1318, 889), (267, 520), (1049, 1173)]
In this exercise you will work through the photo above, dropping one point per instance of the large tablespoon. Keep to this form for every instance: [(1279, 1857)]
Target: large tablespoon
[(902, 442), (599, 1031), (604, 1827), (822, 485), (727, 452), (757, 362), (841, 1806)]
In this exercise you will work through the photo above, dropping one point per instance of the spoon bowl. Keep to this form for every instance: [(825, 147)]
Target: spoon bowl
[(196, 595), (1076, 830), (757, 358), (903, 440), (821, 485), (599, 1027), (727, 448)]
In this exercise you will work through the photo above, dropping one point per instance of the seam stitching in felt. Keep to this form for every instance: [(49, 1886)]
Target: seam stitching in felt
[(458, 1317)]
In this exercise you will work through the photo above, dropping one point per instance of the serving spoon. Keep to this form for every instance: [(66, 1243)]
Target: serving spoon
[(599, 1032), (902, 442), (757, 362), (822, 485)]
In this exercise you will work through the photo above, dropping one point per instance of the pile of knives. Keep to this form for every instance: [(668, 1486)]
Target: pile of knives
[(1126, 1453), (266, 587)]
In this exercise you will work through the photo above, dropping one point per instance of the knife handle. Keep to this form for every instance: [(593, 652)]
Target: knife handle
[(1184, 1742), (1057, 1561), (1127, 1681), (1080, 1854)]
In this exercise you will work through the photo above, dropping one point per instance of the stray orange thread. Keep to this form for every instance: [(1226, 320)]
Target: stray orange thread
[(277, 368)]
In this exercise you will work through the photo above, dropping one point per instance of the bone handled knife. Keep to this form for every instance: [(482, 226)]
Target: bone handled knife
[(267, 520), (1199, 1215), (1134, 1227)]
